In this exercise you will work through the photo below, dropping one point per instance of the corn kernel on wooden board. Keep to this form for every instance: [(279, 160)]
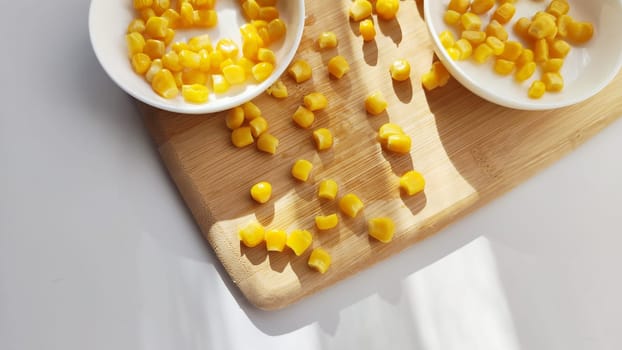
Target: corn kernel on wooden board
[(470, 151)]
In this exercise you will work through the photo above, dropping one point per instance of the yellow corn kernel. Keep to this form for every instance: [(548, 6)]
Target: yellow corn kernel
[(268, 13), (252, 235), (250, 46), (399, 143), (323, 139), (328, 189), (275, 240), (387, 130), (186, 14), (262, 70), (205, 18), (525, 56), (504, 13), (227, 62), (496, 29), (319, 260), (264, 35), (228, 47), (156, 27), (278, 90), (154, 48), (504, 67), (300, 70), (327, 40), (258, 126), (542, 27), (525, 71), (326, 222), (302, 169), (350, 204), (482, 53), (465, 48), (135, 43), (141, 63), (553, 65), (429, 80), (216, 58), (194, 76), (400, 70), (553, 81), (511, 51), (164, 84), (141, 4), (471, 21), (251, 9), (195, 93), (447, 39), (276, 29), (235, 118), (482, 6), (453, 53), (246, 64), (338, 66), (563, 22), (242, 137), (382, 229), (234, 74), (200, 42), (412, 182), (266, 55), (261, 192), (219, 83), (146, 13), (159, 6), (205, 61), (180, 45), (173, 17), (360, 9), (496, 44), (460, 6), (178, 79), (298, 241), (367, 29), (189, 59), (558, 8), (267, 143), (375, 103), (251, 111), (303, 117), (168, 38), (315, 101), (559, 49), (475, 37), (452, 17), (442, 75), (541, 51), (156, 66), (136, 25), (521, 28), (387, 9), (536, 90), (170, 60)]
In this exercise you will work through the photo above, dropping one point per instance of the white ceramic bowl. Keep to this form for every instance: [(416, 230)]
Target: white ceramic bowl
[(587, 69), (108, 21)]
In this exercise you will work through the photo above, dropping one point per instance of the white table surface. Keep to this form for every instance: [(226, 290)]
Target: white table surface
[(97, 251)]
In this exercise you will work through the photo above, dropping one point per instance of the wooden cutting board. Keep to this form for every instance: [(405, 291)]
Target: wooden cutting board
[(470, 151)]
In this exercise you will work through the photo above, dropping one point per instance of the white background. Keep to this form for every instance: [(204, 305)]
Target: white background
[(97, 251)]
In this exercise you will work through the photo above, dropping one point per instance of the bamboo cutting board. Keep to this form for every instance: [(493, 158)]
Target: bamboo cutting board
[(469, 151)]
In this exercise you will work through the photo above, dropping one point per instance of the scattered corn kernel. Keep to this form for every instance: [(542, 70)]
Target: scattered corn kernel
[(328, 189), (399, 143), (526, 55), (471, 21), (558, 8), (261, 192), (326, 222), (141, 63), (315, 101), (559, 49), (482, 6), (319, 260), (541, 51), (452, 17), (219, 83), (323, 139), (360, 9), (375, 103), (542, 27), (242, 137), (536, 90), (525, 71), (504, 13), (298, 241), (164, 84), (367, 29), (338, 66), (195, 93), (553, 81), (156, 66), (482, 53), (511, 51), (441, 73), (156, 27), (262, 70), (252, 234), (258, 126), (302, 169), (387, 130), (234, 74), (251, 111), (460, 6), (400, 70), (496, 29), (300, 70), (277, 90), (350, 205), (496, 44), (267, 143), (382, 229), (453, 53), (553, 65), (447, 39), (275, 240), (465, 48), (387, 9), (135, 43), (503, 67), (303, 117), (235, 118), (327, 40), (412, 182)]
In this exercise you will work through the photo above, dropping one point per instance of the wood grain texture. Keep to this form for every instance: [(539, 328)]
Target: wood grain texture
[(469, 150)]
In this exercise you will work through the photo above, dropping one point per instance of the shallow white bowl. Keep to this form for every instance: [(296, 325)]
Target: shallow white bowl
[(108, 21), (587, 69)]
